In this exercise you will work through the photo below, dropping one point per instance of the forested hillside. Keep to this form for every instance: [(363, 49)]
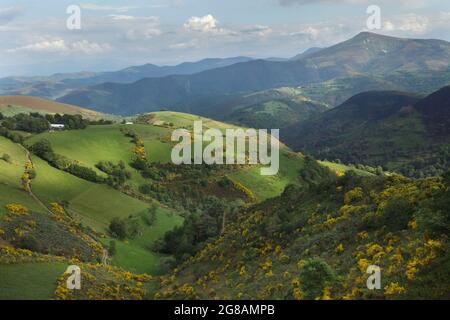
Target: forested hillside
[(398, 131), (317, 240)]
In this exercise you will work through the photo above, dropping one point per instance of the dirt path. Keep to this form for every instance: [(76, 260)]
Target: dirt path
[(30, 192), (105, 255)]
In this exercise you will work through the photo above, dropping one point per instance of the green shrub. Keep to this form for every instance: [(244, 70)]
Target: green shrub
[(83, 172), (395, 216), (118, 228), (112, 248), (6, 157), (30, 243), (314, 276), (150, 216)]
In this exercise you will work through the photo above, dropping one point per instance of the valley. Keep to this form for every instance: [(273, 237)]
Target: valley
[(87, 178)]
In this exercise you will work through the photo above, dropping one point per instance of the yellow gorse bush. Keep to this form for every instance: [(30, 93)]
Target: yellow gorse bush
[(394, 289)]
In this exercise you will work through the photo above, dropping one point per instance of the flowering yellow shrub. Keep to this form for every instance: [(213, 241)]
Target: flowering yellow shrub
[(412, 224), (394, 289), (339, 248), (240, 187), (353, 195), (424, 255), (297, 293), (363, 264), (17, 209), (326, 294), (351, 295), (363, 235), (373, 248), (103, 283)]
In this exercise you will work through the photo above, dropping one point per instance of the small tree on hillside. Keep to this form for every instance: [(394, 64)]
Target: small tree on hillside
[(112, 248), (314, 276), (118, 228), (6, 157)]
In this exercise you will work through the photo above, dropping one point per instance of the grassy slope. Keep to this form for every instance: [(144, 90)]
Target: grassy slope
[(107, 143), (98, 143), (10, 175), (185, 120), (263, 187), (11, 105), (96, 205), (134, 254), (29, 281), (280, 111), (342, 168)]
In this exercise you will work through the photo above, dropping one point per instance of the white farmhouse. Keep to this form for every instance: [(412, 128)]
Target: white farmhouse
[(55, 126)]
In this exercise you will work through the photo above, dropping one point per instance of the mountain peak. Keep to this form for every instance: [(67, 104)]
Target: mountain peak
[(366, 35), (306, 53)]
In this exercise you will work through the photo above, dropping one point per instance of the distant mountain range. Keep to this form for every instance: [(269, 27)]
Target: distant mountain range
[(306, 53), (386, 62), (401, 131), (60, 84)]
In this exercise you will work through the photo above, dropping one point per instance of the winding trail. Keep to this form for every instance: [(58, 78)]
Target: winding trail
[(105, 255), (30, 192)]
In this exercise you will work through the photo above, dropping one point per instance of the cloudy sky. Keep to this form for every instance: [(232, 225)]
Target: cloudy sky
[(118, 33)]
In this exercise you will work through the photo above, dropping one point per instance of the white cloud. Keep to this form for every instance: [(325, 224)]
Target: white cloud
[(258, 30), (146, 33), (302, 2), (137, 28), (118, 9), (9, 14), (61, 46), (122, 17), (97, 7), (409, 3), (207, 25), (410, 23), (202, 24), (88, 47), (184, 45)]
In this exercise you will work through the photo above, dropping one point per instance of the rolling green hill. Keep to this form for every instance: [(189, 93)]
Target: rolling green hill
[(398, 131), (226, 231), (92, 204), (12, 105), (95, 205), (275, 108), (107, 142)]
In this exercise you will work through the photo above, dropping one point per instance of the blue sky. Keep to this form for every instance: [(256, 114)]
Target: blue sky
[(118, 33)]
